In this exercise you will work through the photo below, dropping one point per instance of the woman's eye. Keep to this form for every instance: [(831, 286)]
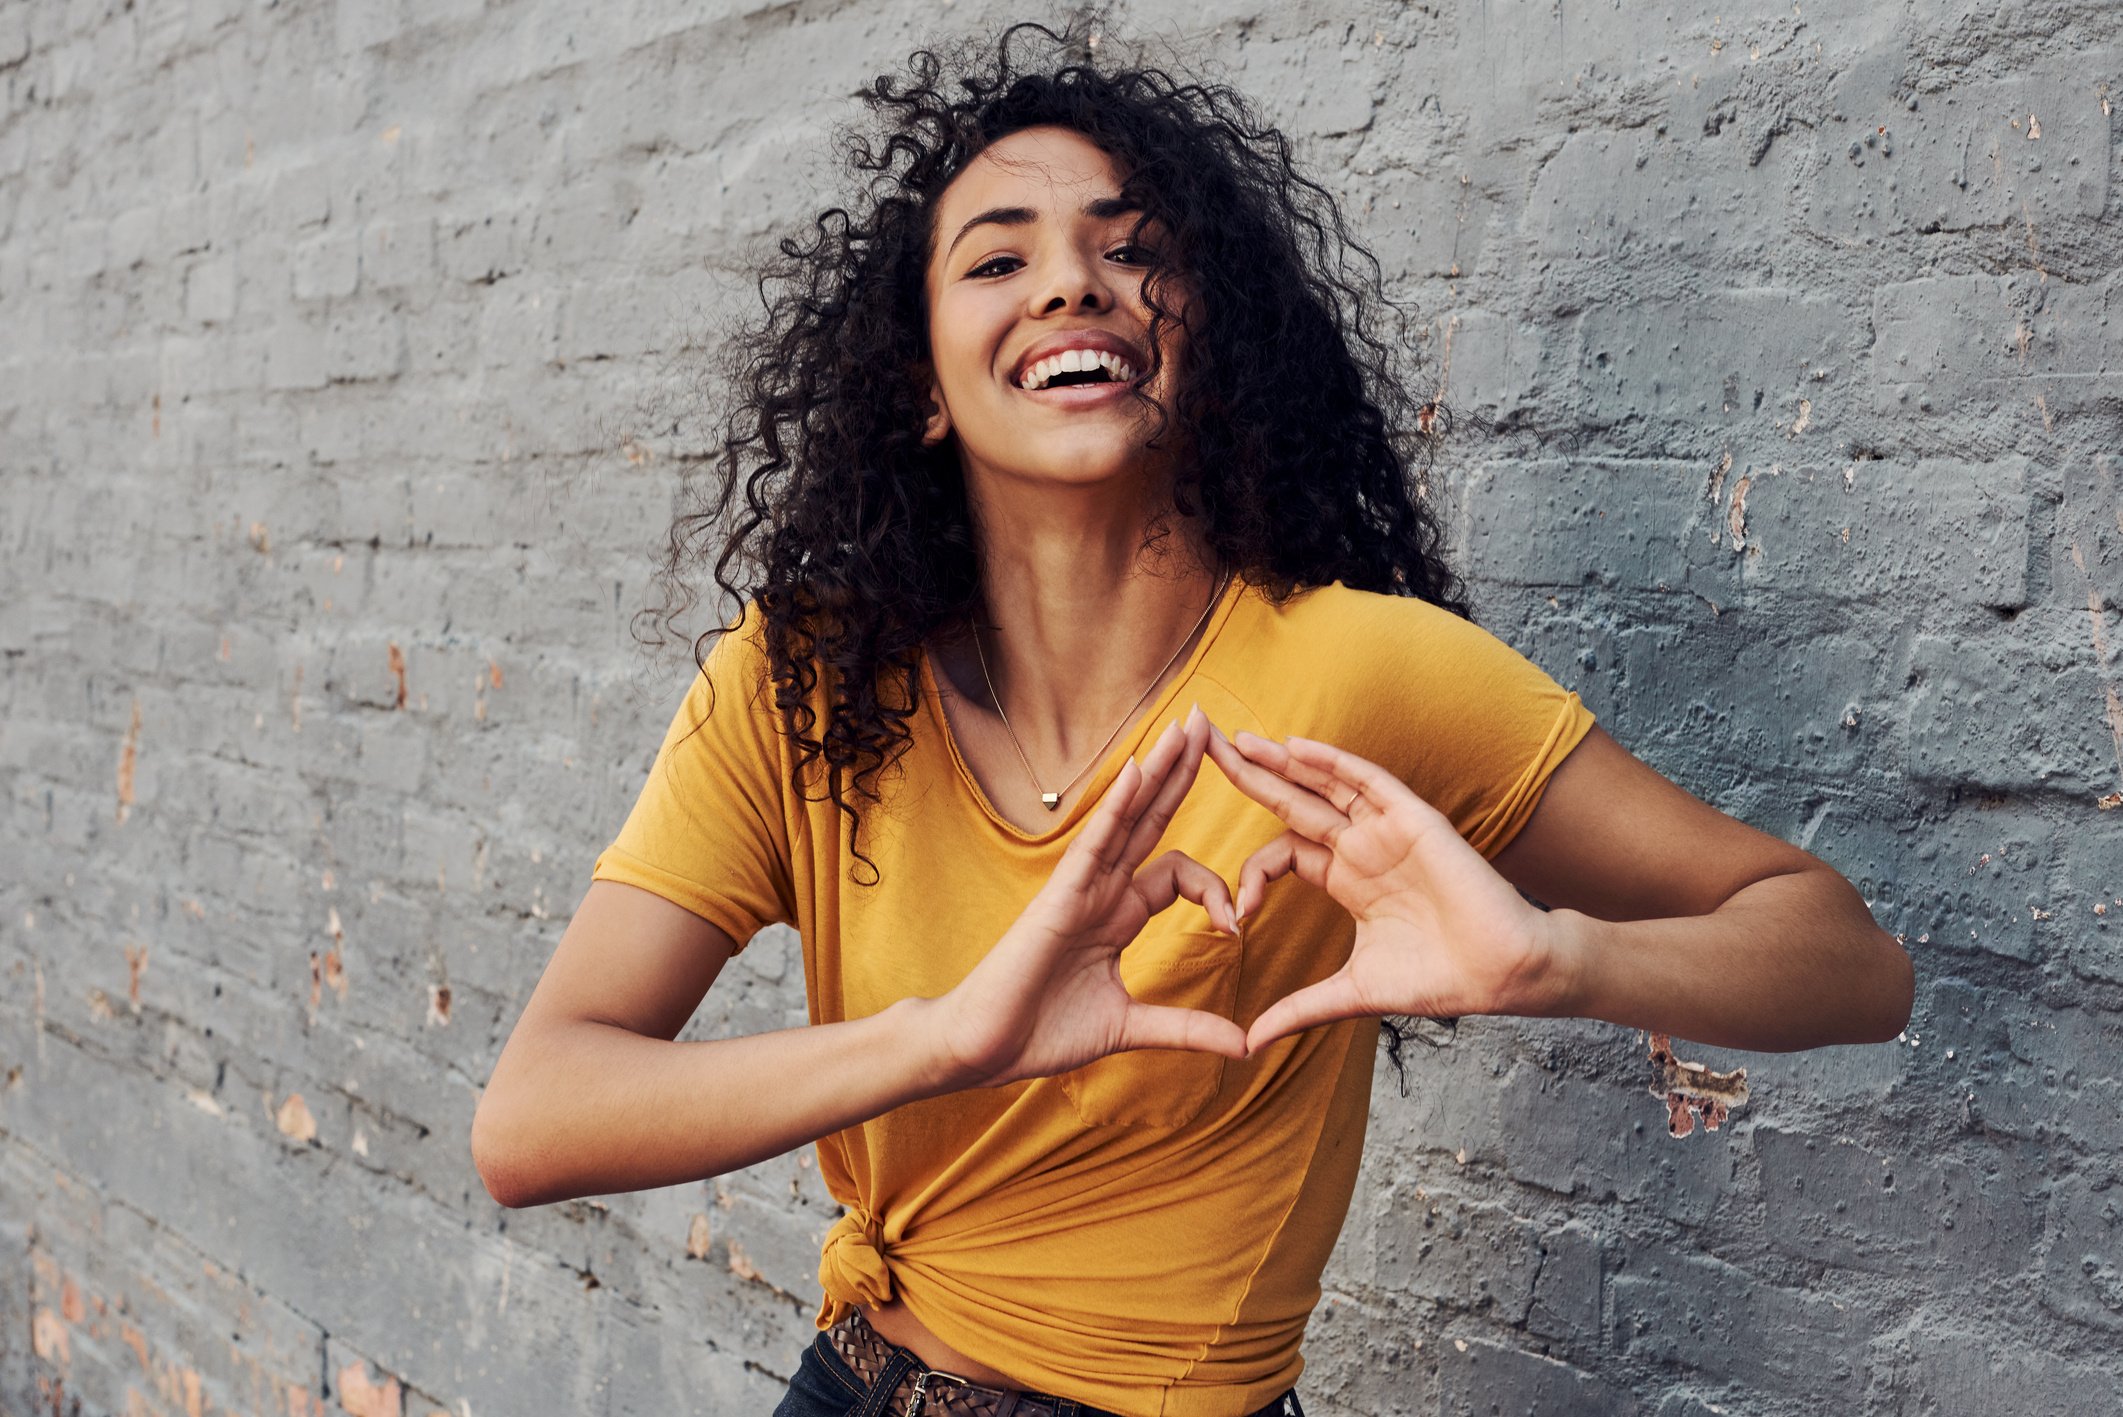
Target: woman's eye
[(1132, 254)]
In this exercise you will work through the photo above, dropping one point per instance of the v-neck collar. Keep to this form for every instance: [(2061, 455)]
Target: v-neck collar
[(1122, 748)]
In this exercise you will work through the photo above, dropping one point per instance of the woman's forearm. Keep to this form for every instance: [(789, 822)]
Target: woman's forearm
[(591, 1108), (1794, 961)]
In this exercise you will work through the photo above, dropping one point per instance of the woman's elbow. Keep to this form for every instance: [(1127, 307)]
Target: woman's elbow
[(1892, 991), (496, 1157)]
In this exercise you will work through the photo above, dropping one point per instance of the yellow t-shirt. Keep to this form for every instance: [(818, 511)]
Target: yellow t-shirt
[(1146, 1233)]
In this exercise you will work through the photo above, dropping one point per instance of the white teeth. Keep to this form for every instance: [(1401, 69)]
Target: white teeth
[(1075, 361)]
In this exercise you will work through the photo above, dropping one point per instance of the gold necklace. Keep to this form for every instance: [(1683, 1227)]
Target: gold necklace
[(1052, 800)]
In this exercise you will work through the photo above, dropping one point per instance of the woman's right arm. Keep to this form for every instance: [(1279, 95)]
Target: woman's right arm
[(591, 1096)]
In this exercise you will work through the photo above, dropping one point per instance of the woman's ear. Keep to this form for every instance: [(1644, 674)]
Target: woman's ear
[(938, 426)]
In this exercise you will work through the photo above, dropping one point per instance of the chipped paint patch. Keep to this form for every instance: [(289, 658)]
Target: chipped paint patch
[(330, 967), (294, 1119), (1691, 1090), (135, 964), (48, 1336), (128, 757), (1736, 515), (1717, 480), (134, 1339), (2115, 719), (361, 1397)]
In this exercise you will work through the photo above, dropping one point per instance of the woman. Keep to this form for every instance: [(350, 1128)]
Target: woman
[(1068, 463)]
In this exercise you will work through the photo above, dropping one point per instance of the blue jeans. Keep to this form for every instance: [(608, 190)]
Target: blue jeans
[(824, 1386)]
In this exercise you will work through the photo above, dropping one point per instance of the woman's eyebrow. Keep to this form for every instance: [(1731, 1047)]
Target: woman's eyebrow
[(1098, 207)]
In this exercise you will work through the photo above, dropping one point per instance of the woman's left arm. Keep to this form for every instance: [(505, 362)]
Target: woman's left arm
[(1665, 914), (1675, 918)]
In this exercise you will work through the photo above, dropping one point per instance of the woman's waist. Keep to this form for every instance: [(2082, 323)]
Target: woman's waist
[(896, 1323), (1219, 1383)]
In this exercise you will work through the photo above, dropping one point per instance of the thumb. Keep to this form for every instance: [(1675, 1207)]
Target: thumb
[(1196, 1030), (1329, 1001)]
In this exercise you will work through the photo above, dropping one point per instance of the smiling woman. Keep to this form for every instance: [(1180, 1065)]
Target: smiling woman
[(1067, 462)]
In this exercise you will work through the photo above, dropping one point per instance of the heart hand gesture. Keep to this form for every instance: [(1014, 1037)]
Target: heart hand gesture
[(1048, 997), (1438, 932)]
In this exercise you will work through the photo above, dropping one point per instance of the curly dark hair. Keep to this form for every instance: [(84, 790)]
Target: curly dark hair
[(1305, 452), (854, 538)]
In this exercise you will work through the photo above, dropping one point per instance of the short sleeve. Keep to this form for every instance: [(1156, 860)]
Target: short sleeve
[(709, 831), (1487, 728)]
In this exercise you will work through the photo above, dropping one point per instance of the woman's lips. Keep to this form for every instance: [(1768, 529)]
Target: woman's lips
[(1079, 395)]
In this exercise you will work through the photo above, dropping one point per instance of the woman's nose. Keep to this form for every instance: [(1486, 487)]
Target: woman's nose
[(1072, 283)]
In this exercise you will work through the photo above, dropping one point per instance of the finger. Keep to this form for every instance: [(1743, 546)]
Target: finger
[(1176, 874), (1329, 1001), (1105, 831), (1287, 853), (1299, 807), (1179, 780), (1322, 782), (1155, 762), (1379, 787), (1163, 1026)]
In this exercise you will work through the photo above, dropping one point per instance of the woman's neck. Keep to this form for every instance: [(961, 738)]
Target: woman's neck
[(1081, 621)]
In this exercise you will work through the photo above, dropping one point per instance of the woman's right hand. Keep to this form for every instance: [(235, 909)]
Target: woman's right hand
[(1048, 997)]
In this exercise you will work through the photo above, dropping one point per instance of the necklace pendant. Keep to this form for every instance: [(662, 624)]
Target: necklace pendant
[(1050, 800)]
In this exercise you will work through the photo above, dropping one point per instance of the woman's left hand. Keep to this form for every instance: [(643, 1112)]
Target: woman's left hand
[(1438, 932)]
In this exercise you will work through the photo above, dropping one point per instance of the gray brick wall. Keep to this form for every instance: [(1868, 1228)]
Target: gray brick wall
[(341, 402)]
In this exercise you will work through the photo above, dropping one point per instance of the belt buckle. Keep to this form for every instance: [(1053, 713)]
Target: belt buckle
[(919, 1398)]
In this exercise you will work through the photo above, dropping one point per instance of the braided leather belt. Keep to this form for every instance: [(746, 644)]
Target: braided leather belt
[(931, 1392), (926, 1392)]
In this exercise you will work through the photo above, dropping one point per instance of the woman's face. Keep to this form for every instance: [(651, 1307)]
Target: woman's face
[(1032, 261)]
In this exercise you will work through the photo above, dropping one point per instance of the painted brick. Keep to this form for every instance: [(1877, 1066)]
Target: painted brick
[(1898, 534), (342, 326), (1487, 1378), (1566, 1292), (1941, 1368), (1842, 1203), (1976, 712), (1436, 1246), (1679, 361), (2085, 1265), (328, 265), (210, 291), (1696, 1312), (1962, 159), (1560, 524)]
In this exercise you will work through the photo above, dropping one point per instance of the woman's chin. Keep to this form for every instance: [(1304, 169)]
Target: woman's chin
[(1091, 464)]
